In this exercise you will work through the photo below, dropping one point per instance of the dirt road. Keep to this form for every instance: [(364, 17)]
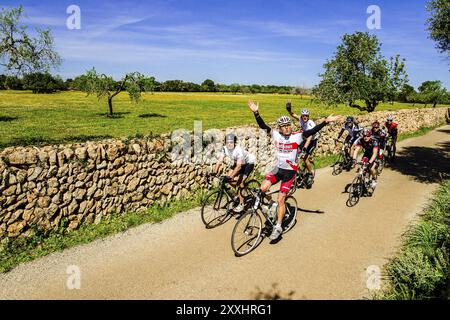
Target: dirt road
[(325, 256)]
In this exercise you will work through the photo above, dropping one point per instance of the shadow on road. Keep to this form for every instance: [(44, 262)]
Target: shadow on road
[(427, 165)]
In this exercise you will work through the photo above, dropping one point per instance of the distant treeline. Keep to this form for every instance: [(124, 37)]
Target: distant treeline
[(47, 83), (429, 92)]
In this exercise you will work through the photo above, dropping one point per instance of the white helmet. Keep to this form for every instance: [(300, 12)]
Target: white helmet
[(390, 118), (284, 120), (305, 112)]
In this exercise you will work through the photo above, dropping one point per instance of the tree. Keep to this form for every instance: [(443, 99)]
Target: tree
[(439, 24), (2, 82), (105, 87), (208, 85), (149, 84), (13, 83), (19, 52), (235, 87), (433, 92), (406, 94), (358, 72), (42, 83)]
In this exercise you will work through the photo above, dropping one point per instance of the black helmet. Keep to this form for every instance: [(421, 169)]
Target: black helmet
[(350, 119), (231, 137)]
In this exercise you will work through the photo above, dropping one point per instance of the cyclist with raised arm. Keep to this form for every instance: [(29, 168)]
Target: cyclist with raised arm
[(242, 165), (370, 148), (287, 145), (392, 131), (354, 131), (309, 144)]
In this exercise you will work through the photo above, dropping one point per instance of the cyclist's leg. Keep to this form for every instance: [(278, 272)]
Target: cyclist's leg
[(287, 180), (309, 151)]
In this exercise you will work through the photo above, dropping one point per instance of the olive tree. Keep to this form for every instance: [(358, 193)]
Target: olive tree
[(19, 52), (104, 87)]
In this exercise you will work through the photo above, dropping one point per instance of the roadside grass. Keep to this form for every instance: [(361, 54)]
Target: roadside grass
[(421, 269), (16, 251), (67, 117)]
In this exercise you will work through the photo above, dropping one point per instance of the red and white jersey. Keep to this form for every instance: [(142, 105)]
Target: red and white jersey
[(286, 148)]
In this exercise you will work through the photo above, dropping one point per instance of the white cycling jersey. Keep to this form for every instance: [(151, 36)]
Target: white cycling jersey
[(308, 125), (286, 148), (238, 154)]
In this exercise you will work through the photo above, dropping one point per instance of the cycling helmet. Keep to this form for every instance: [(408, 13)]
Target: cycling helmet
[(349, 119), (231, 137), (375, 124), (305, 112), (367, 133), (390, 118), (284, 120)]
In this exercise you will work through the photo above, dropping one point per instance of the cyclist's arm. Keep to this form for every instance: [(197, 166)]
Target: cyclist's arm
[(307, 142), (236, 169), (294, 115), (374, 155), (261, 123), (340, 133), (218, 164), (313, 131)]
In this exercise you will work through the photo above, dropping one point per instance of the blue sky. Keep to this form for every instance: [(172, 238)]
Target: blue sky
[(282, 42)]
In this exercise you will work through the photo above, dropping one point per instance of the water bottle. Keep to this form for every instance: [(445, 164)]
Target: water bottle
[(265, 209), (273, 210)]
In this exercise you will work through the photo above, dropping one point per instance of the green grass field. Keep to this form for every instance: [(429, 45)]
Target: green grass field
[(34, 119)]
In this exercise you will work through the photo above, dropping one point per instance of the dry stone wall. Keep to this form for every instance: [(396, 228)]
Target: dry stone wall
[(78, 183)]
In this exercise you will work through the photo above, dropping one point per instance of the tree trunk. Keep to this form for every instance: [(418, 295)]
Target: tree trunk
[(110, 106), (434, 105)]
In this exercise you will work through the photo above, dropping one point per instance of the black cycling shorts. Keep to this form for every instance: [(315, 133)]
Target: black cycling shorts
[(312, 146), (246, 169)]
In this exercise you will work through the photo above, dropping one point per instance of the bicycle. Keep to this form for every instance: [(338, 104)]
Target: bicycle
[(224, 199), (344, 161), (390, 150), (301, 177), (250, 224), (360, 184)]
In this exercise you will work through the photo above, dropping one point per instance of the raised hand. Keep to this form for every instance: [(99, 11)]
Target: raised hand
[(254, 107), (332, 118), (289, 106)]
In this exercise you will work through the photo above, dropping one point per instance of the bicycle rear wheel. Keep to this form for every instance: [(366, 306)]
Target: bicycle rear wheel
[(246, 233), (355, 191), (290, 218), (215, 208)]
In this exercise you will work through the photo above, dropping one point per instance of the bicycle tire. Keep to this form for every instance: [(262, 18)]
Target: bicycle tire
[(252, 225), (355, 191), (290, 219), (218, 219)]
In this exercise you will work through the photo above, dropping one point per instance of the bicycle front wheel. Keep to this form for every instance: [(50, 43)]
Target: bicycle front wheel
[(338, 165), (355, 191), (215, 208), (246, 233)]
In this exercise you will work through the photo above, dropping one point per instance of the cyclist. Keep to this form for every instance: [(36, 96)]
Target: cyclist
[(242, 165), (310, 144), (380, 135), (370, 147), (287, 145), (354, 132), (392, 131)]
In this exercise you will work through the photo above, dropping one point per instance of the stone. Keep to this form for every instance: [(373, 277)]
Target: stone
[(98, 194), (10, 191), (112, 152), (136, 148), (53, 183), (102, 165), (132, 185), (35, 173), (81, 153), (79, 184), (52, 158), (128, 168), (79, 194), (82, 176), (56, 198), (73, 207), (167, 188), (15, 229), (67, 197), (44, 202), (27, 215)]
